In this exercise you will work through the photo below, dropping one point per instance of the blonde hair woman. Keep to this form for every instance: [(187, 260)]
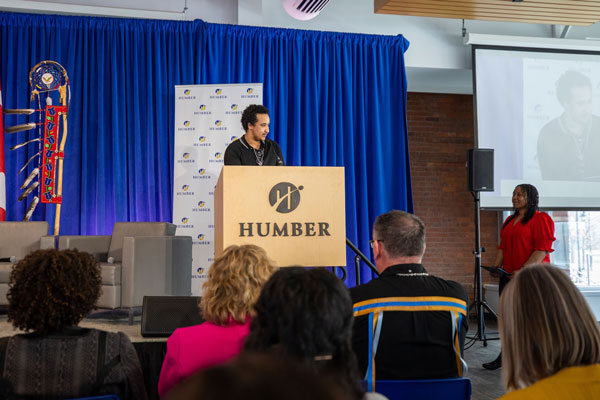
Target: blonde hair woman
[(235, 280), (550, 338)]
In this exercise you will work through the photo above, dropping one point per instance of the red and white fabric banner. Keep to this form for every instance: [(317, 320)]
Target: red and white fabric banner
[(2, 175)]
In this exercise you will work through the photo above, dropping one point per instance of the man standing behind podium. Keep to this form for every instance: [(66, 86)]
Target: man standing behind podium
[(254, 148)]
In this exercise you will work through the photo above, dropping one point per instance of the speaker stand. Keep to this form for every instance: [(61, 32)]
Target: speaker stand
[(479, 304)]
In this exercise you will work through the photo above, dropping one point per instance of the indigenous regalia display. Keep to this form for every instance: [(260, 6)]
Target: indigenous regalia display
[(49, 86)]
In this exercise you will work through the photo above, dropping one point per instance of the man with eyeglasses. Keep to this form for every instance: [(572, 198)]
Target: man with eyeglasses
[(408, 324), (253, 148)]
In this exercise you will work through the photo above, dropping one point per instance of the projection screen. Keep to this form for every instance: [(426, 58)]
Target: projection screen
[(539, 109)]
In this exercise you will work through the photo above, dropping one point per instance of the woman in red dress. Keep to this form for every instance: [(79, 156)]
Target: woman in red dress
[(525, 239)]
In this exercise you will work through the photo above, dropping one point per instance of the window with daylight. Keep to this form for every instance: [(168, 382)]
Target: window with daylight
[(577, 245)]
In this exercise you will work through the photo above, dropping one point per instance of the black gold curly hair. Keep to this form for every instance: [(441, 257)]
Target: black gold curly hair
[(52, 289)]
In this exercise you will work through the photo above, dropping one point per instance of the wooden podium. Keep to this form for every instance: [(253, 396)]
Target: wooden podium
[(297, 214)]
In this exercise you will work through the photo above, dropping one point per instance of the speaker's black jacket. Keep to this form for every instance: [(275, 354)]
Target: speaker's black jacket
[(240, 152)]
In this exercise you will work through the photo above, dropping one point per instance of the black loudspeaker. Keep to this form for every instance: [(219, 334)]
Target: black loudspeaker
[(481, 170), (161, 315)]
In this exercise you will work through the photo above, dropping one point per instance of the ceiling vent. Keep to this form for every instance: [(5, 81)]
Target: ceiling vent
[(304, 9)]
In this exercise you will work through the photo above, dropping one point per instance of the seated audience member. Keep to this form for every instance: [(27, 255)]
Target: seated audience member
[(234, 283), (306, 315), (550, 338), (254, 376), (423, 313), (50, 293)]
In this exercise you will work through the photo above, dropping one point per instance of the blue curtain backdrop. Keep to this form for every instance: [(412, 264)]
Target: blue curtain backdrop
[(336, 99)]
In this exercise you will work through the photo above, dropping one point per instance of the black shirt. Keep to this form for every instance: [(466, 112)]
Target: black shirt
[(412, 345), (239, 152)]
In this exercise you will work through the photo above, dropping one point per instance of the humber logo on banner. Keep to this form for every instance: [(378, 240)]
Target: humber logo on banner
[(185, 223), (185, 191), (218, 158), (201, 240), (201, 207), (186, 127), (202, 110), (249, 94), (234, 110), (202, 174), (187, 95), (218, 94), (186, 159), (202, 142)]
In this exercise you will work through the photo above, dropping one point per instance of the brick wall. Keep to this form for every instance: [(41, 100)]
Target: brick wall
[(440, 131)]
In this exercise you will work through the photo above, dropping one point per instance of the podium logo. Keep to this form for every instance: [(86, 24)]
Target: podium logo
[(285, 197)]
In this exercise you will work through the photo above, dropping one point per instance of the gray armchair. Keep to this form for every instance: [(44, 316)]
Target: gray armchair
[(17, 239), (139, 259)]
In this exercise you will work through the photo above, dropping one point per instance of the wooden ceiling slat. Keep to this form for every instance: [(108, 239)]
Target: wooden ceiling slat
[(561, 12), (470, 14), (496, 17), (492, 10), (494, 4)]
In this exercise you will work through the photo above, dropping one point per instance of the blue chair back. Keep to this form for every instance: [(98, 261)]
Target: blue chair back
[(427, 389)]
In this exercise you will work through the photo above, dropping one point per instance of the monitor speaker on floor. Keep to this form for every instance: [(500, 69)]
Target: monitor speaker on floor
[(481, 170), (161, 315)]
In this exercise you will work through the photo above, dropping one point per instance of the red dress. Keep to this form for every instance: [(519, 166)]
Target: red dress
[(518, 241)]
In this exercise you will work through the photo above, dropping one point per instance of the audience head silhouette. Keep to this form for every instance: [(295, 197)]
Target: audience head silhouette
[(307, 315), (398, 238), (545, 326), (234, 282), (52, 289), (257, 376)]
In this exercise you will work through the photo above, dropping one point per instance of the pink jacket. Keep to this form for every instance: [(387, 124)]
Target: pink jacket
[(193, 348)]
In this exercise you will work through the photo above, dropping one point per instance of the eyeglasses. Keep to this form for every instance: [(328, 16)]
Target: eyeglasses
[(373, 241)]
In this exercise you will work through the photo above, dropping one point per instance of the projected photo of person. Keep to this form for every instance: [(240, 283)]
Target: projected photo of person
[(568, 147)]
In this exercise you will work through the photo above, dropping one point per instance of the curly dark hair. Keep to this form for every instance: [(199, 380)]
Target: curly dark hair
[(307, 315), (52, 289), (533, 199), (249, 114)]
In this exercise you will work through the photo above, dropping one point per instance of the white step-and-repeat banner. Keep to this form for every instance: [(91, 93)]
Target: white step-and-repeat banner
[(207, 119)]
